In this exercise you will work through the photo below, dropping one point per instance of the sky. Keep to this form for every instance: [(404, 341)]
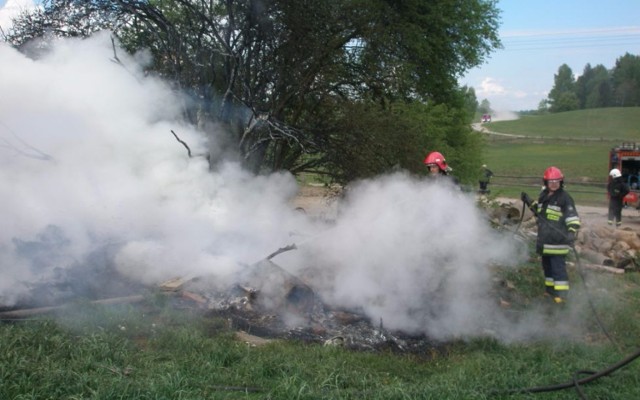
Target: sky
[(538, 37)]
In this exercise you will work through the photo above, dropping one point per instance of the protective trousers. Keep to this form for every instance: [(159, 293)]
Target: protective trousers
[(556, 279), (615, 210)]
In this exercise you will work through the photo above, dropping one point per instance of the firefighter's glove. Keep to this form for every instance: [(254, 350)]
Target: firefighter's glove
[(526, 199), (571, 238)]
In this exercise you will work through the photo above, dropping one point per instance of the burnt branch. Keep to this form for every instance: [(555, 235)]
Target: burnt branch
[(282, 250), (183, 143), (115, 54), (276, 131)]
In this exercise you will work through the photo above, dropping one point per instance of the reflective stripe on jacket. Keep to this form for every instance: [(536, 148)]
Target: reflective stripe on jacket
[(557, 216)]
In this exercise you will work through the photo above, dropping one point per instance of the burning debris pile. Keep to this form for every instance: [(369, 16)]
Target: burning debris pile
[(269, 302)]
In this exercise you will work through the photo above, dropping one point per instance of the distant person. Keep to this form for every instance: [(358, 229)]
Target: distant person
[(485, 178), (616, 189), (558, 223)]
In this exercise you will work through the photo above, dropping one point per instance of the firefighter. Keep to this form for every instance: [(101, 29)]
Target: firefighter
[(438, 166), (485, 178), (616, 189), (558, 223)]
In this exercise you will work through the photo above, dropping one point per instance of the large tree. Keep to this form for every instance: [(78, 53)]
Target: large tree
[(562, 96), (626, 81), (278, 74), (593, 87)]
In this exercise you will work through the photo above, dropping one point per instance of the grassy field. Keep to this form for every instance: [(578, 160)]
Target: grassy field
[(519, 166), (576, 142), (156, 352), (609, 124)]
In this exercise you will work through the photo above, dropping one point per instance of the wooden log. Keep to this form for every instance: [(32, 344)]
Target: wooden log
[(173, 284), (29, 312), (194, 297), (594, 257), (603, 268)]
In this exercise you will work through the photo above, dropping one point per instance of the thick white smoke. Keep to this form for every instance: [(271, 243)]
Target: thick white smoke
[(415, 254), (88, 161), (12, 9), (91, 173)]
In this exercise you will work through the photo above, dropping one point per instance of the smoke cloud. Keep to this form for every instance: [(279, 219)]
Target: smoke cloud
[(12, 9), (415, 254), (92, 177), (88, 163)]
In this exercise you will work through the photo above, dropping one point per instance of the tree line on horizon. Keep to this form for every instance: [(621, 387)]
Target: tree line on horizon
[(597, 87)]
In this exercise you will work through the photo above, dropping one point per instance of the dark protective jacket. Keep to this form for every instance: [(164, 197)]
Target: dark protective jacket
[(617, 189), (557, 216), (485, 175)]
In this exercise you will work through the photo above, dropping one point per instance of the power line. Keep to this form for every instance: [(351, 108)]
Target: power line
[(519, 43)]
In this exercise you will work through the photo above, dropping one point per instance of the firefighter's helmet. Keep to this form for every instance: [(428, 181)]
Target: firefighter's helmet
[(437, 158), (553, 173), (615, 173)]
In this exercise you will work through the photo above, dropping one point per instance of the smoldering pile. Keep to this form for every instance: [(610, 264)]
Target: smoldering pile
[(264, 302), (269, 302)]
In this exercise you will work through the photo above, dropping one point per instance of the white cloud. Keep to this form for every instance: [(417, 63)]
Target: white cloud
[(490, 87), (12, 9), (504, 96)]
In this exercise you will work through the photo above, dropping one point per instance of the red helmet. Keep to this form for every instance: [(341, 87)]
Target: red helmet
[(438, 159), (553, 173)]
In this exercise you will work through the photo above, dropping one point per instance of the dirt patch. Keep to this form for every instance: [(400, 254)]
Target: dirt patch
[(322, 200), (593, 216), (319, 201)]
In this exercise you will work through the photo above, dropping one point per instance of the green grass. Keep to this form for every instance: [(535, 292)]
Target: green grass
[(617, 124), (155, 352), (565, 140), (584, 165)]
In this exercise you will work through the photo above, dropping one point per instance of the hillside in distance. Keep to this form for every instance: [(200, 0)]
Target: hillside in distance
[(615, 124)]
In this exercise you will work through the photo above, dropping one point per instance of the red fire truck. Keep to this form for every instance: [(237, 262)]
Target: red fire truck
[(626, 158)]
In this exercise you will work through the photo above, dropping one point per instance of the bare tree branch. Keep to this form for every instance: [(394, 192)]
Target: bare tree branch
[(183, 143)]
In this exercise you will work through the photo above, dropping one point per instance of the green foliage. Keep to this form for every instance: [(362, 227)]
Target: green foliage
[(278, 75), (594, 88), (626, 80), (484, 107), (562, 96), (597, 87), (370, 140)]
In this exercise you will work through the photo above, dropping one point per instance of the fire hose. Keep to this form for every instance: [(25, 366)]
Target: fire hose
[(575, 382)]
